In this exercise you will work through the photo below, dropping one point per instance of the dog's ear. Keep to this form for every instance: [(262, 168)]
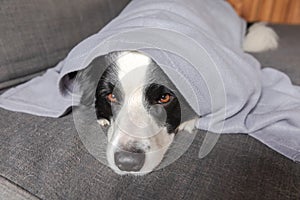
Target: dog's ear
[(88, 78)]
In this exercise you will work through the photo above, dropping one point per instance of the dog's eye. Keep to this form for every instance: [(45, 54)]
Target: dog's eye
[(165, 98), (111, 98)]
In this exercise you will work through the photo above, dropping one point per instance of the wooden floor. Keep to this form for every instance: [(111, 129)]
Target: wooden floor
[(275, 11)]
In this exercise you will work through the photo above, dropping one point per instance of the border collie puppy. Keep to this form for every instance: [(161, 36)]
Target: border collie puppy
[(141, 111)]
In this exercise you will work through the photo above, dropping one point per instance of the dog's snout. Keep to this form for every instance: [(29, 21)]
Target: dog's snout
[(129, 160)]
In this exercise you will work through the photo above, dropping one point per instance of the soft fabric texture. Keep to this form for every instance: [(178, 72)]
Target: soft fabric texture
[(198, 45)]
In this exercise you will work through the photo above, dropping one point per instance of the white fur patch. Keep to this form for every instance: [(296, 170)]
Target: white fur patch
[(260, 38), (128, 61), (103, 122), (188, 126), (134, 124)]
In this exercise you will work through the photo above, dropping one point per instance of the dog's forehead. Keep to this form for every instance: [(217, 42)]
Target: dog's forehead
[(135, 71), (128, 62), (131, 69)]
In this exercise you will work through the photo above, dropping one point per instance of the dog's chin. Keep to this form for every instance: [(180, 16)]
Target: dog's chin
[(124, 173)]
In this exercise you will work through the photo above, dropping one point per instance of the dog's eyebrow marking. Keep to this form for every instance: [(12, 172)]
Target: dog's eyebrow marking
[(128, 61)]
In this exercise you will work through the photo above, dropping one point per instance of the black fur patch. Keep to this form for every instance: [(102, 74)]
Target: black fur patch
[(171, 109), (106, 85)]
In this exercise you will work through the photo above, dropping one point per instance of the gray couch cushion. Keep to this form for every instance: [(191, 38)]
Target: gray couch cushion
[(46, 157), (9, 190), (35, 35)]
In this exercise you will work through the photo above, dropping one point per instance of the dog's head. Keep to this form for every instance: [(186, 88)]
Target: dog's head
[(140, 110)]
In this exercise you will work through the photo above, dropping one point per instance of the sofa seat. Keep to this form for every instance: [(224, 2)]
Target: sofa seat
[(43, 158)]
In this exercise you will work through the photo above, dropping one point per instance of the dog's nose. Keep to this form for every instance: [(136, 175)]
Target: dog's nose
[(130, 161)]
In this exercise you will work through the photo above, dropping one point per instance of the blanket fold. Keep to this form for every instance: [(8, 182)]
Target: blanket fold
[(198, 45)]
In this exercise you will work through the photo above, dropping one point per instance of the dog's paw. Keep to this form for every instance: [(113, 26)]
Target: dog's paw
[(188, 126), (103, 122)]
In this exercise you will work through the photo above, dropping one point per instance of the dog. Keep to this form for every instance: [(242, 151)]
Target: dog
[(141, 111)]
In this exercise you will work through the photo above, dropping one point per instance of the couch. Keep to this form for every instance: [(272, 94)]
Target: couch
[(43, 158)]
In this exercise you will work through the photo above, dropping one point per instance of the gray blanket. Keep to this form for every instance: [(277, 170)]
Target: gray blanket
[(198, 45)]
